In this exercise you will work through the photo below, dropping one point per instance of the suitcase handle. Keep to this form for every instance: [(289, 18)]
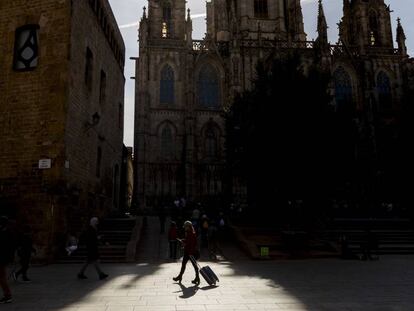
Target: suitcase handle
[(195, 261)]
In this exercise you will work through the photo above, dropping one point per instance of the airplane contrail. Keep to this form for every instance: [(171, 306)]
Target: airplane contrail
[(135, 24), (193, 16)]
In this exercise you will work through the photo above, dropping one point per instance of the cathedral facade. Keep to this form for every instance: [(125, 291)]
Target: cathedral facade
[(185, 86)]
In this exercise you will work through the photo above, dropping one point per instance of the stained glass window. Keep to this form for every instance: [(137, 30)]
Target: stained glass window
[(384, 91), (208, 87), (26, 49), (167, 85), (343, 89)]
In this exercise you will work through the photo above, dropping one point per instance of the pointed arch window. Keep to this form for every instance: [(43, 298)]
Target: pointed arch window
[(26, 48), (89, 69), (384, 91), (166, 20), (261, 9), (167, 84), (167, 143), (211, 147), (343, 90), (208, 87), (98, 162), (373, 28)]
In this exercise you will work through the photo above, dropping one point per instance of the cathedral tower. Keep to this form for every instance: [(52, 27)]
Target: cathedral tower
[(366, 23), (276, 19), (167, 19)]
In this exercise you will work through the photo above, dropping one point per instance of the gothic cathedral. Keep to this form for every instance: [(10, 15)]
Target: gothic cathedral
[(184, 86)]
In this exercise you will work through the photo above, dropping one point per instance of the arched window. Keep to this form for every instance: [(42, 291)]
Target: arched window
[(261, 9), (343, 90), (384, 91), (98, 162), (166, 20), (89, 69), (167, 143), (208, 87), (373, 28), (167, 85), (211, 147)]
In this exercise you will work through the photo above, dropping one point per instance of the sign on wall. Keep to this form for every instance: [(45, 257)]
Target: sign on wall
[(45, 164)]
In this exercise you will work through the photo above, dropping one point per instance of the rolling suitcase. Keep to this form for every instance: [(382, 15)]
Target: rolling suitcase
[(206, 272)]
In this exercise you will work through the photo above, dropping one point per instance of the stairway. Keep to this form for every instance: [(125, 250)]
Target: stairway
[(115, 234), (395, 236)]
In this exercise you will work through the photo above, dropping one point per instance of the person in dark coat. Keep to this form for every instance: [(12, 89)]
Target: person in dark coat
[(24, 251), (190, 249), (6, 257), (92, 248)]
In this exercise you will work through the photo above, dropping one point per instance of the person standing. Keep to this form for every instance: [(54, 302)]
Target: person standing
[(6, 257), (24, 251), (190, 249), (92, 242)]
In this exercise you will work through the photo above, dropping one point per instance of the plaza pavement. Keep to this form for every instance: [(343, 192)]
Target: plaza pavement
[(319, 284)]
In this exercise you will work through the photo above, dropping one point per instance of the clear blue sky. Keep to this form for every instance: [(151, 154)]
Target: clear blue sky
[(130, 11)]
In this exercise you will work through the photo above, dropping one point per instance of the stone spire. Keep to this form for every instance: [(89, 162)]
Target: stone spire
[(143, 29), (402, 47), (344, 23), (189, 29), (322, 27)]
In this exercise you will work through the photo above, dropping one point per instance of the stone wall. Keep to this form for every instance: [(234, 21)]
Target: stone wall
[(82, 136), (46, 113), (32, 114)]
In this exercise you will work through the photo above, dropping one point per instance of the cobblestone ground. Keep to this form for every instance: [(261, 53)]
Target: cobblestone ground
[(387, 284)]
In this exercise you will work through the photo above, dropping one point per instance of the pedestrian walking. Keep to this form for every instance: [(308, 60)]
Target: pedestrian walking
[(172, 240), (25, 250), (91, 240), (190, 249), (6, 257)]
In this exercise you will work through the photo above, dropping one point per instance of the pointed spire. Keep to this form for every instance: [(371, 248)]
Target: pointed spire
[(346, 6), (400, 30), (188, 14), (402, 47), (144, 15), (322, 26), (344, 23), (189, 30)]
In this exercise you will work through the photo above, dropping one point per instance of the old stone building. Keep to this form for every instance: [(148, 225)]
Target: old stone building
[(183, 86), (61, 114)]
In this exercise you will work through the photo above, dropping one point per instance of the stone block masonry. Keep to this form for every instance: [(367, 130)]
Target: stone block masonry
[(46, 112)]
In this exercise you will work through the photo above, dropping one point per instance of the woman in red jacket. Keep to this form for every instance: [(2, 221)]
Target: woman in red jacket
[(190, 249)]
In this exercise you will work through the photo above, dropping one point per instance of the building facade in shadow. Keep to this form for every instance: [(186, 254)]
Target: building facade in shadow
[(61, 114), (184, 87)]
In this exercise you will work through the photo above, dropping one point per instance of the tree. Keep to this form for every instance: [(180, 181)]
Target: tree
[(279, 135)]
